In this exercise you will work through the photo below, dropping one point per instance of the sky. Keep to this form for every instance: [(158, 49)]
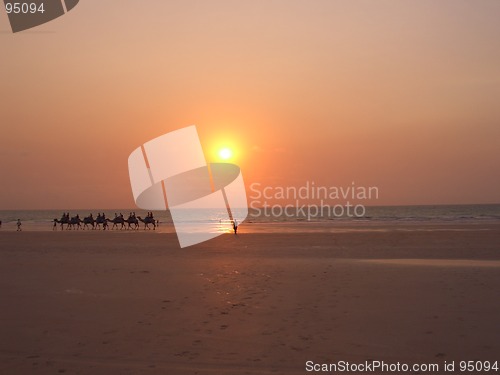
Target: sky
[(401, 95)]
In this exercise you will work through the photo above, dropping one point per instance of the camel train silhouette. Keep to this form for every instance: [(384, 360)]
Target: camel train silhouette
[(119, 222)]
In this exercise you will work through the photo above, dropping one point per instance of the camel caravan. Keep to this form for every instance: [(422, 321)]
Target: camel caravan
[(102, 222)]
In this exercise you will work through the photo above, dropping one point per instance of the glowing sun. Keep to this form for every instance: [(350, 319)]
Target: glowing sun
[(225, 153)]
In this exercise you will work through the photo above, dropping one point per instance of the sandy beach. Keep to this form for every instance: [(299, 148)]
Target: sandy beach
[(257, 303)]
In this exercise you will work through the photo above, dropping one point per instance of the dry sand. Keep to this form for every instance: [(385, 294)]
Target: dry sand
[(134, 303)]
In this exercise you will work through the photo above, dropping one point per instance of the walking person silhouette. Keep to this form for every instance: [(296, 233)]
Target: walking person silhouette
[(235, 226)]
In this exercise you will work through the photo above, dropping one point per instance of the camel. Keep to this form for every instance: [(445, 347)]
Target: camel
[(70, 222), (132, 220), (89, 220), (120, 220), (74, 221), (117, 221), (147, 221), (63, 221), (101, 220)]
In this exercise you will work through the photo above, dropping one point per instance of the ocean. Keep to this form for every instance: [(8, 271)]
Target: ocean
[(278, 217)]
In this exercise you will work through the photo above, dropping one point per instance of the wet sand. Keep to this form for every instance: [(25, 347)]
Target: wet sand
[(257, 303)]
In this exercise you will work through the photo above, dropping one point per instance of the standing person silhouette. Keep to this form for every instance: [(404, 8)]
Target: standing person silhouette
[(19, 225), (235, 226)]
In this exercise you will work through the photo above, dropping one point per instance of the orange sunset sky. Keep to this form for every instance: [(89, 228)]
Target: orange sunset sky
[(402, 95)]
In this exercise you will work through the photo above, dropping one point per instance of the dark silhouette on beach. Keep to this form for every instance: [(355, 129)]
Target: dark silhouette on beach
[(119, 222)]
